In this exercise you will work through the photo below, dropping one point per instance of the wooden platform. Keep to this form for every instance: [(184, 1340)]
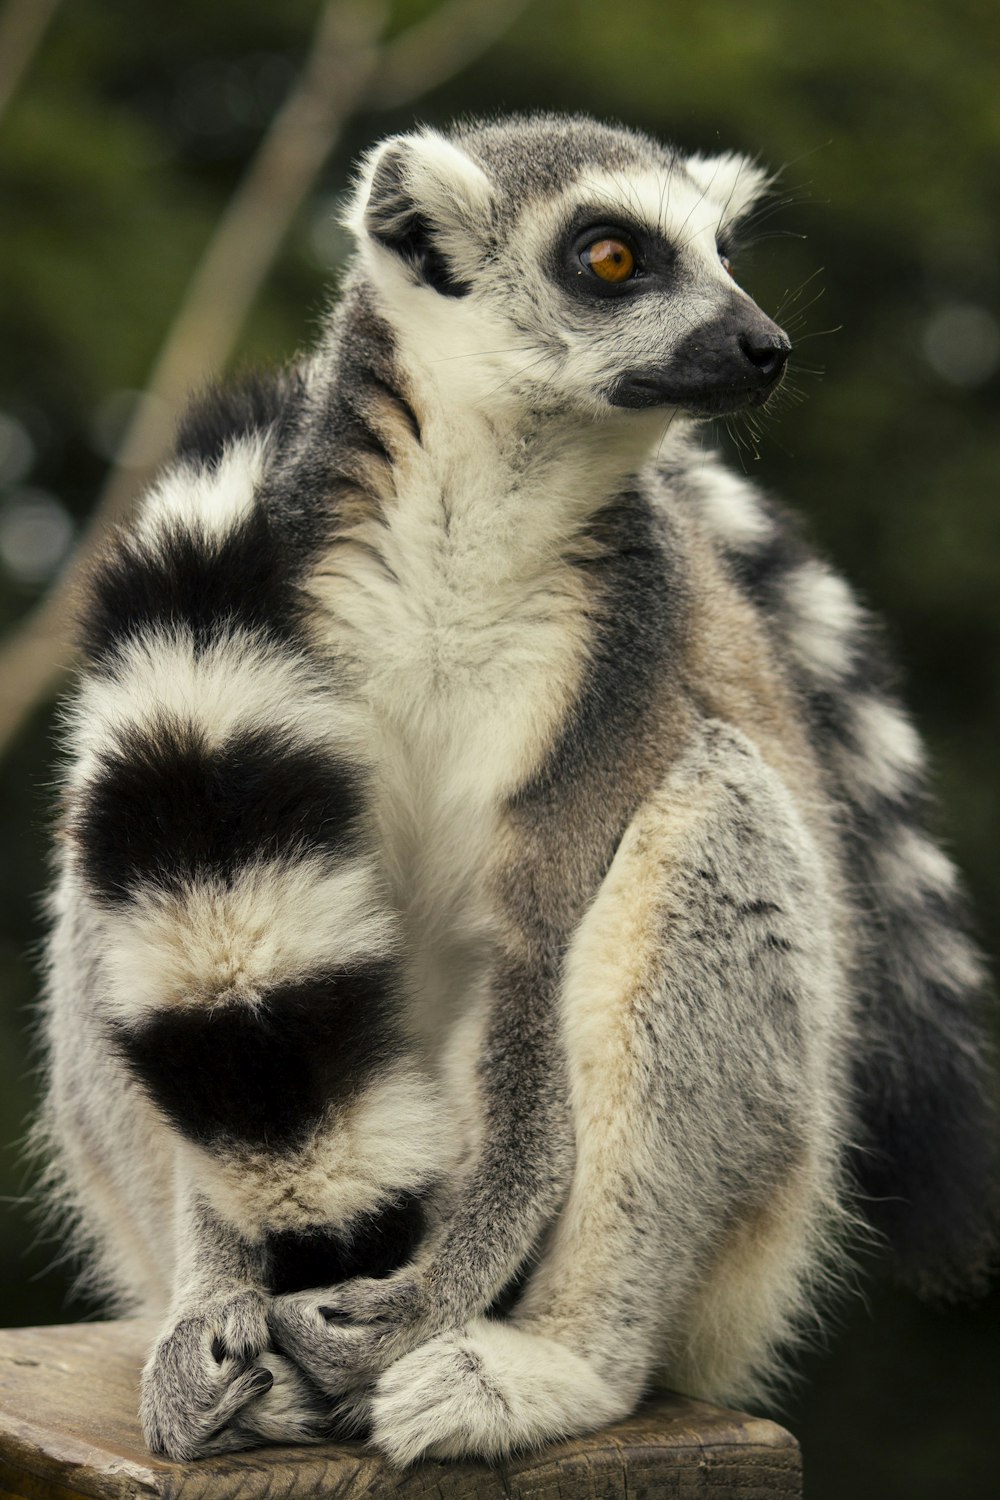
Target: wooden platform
[(68, 1428)]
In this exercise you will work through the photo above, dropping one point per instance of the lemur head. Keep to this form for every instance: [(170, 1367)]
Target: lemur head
[(568, 266)]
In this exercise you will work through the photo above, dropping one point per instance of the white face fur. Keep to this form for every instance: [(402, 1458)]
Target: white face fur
[(491, 285)]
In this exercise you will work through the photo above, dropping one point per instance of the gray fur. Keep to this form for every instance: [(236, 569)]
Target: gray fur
[(623, 907)]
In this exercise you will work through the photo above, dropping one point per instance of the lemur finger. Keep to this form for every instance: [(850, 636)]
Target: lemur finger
[(212, 1431), (243, 1333), (253, 1382)]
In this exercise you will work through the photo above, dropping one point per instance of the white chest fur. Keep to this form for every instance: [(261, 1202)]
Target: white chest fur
[(462, 627)]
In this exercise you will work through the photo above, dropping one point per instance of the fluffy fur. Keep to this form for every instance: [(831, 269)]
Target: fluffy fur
[(496, 956)]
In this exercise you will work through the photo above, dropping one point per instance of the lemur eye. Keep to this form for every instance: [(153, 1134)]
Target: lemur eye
[(610, 259), (727, 264)]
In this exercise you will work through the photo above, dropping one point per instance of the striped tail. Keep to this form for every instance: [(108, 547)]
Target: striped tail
[(927, 1129), (216, 818)]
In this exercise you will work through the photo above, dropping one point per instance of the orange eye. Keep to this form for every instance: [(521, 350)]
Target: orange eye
[(727, 265), (611, 260)]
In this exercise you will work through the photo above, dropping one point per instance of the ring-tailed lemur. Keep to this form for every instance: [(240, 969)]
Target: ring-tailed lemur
[(494, 925)]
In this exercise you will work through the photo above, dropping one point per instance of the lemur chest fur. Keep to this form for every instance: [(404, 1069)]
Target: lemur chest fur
[(458, 617)]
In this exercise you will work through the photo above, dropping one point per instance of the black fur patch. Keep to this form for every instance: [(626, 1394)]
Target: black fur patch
[(365, 437), (637, 603), (378, 1244), (255, 403), (264, 1074), (507, 1299), (165, 808), (191, 581)]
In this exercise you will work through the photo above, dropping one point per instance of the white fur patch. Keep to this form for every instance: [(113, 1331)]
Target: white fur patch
[(239, 681), (946, 958), (230, 941), (732, 181), (484, 1391), (210, 501), (889, 750), (730, 508), (826, 620), (912, 866)]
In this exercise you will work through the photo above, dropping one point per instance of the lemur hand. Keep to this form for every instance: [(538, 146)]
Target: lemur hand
[(213, 1384)]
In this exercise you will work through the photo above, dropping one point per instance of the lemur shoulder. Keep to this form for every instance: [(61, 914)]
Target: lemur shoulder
[(497, 958)]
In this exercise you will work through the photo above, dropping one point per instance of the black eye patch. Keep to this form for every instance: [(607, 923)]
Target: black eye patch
[(571, 264)]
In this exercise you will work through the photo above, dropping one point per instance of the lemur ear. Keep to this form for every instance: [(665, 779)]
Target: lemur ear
[(424, 199), (733, 182)]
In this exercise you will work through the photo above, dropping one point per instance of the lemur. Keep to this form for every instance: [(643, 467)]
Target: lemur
[(497, 962)]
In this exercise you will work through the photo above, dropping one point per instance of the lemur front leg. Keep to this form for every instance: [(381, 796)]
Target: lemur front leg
[(488, 1225), (700, 1014)]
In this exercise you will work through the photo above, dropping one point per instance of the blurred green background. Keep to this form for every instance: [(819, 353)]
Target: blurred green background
[(119, 149)]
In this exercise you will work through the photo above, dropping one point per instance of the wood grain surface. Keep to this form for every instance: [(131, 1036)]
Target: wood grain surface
[(68, 1428)]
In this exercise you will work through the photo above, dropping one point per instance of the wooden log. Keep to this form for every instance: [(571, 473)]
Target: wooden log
[(68, 1429)]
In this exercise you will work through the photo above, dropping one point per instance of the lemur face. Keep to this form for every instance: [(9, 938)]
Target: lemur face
[(569, 267)]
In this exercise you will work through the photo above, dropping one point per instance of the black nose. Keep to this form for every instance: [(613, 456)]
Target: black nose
[(767, 352), (725, 365)]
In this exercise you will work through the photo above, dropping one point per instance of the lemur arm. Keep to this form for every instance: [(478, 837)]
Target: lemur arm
[(698, 1019)]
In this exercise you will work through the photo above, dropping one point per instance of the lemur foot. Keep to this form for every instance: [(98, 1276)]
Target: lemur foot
[(213, 1384), (485, 1390), (343, 1337)]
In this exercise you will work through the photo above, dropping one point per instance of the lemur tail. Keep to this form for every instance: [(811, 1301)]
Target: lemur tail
[(215, 817), (925, 1115)]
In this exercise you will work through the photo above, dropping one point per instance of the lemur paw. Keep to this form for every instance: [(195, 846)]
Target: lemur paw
[(484, 1391), (213, 1385), (344, 1336)]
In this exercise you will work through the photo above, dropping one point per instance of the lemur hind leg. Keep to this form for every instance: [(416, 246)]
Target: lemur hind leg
[(701, 1009)]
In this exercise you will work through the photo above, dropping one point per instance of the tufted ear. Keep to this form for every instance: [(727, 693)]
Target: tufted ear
[(733, 182), (424, 199)]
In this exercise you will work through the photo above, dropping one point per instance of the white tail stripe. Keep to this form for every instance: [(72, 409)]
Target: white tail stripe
[(274, 923)]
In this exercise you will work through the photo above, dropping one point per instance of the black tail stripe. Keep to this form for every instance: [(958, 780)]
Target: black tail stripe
[(192, 580), (375, 1245), (259, 402), (264, 1073), (165, 808)]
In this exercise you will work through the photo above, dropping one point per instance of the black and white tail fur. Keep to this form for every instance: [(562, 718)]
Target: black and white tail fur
[(497, 957)]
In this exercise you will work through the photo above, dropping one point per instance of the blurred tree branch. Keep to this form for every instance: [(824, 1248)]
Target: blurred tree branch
[(23, 24), (347, 68)]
